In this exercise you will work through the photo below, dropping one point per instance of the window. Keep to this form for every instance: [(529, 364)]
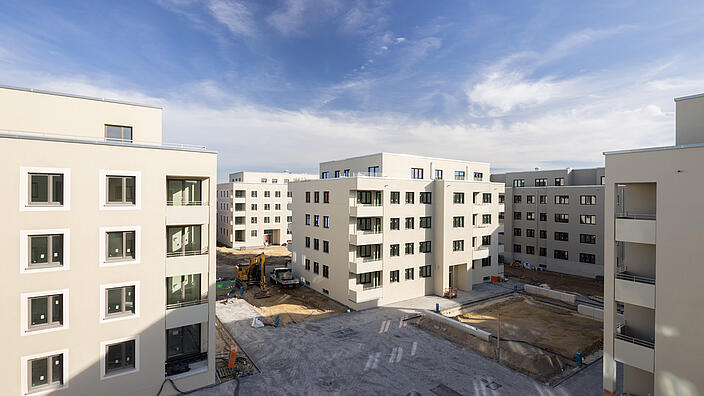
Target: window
[(517, 199), (369, 251), (543, 199), (277, 206), (425, 197), (562, 218), (326, 196), (337, 174), (543, 217), (530, 215), (530, 233), (541, 182), (519, 183), (424, 271), (458, 198), (185, 240), (587, 258), (119, 357), (409, 273), (46, 189), (46, 251), (587, 219), (416, 173), (263, 180), (307, 219), (486, 198), (530, 199), (486, 240), (121, 190), (502, 198), (182, 342), (562, 199), (267, 206), (395, 197), (277, 194), (395, 223), (543, 251), (478, 176), (307, 264), (517, 215), (369, 224), (562, 236), (182, 192), (289, 194), (560, 254), (394, 276), (316, 197), (373, 171), (239, 193), (424, 247), (45, 372), (543, 234), (425, 222), (458, 221), (253, 207), (118, 133), (326, 271), (182, 290), (486, 219), (587, 238), (530, 249), (395, 250), (559, 181), (486, 262), (253, 194), (253, 233), (274, 181), (409, 248), (307, 196), (516, 248), (119, 301), (316, 244), (346, 173), (587, 199), (120, 245), (316, 267), (369, 279), (438, 174), (459, 175), (324, 175), (307, 242), (326, 221), (367, 198), (326, 247), (458, 246), (516, 232), (603, 180), (501, 215), (45, 312), (409, 223), (290, 219), (316, 220), (409, 197)]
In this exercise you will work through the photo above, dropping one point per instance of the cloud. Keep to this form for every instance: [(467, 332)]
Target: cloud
[(399, 40), (234, 15)]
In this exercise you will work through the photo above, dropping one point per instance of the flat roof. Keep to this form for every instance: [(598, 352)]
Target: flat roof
[(78, 96), (689, 97), (661, 148), (404, 155), (548, 170)]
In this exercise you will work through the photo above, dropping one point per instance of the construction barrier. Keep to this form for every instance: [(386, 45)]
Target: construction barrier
[(459, 325), (593, 312), (554, 294)]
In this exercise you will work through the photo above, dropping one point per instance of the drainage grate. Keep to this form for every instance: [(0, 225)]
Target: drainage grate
[(493, 386), (225, 372), (343, 333), (444, 390)]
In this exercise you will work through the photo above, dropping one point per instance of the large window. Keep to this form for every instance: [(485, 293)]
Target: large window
[(562, 236), (119, 301), (121, 190), (118, 133), (184, 240), (541, 182), (458, 198), (46, 311), (587, 199), (369, 198), (587, 258), (560, 254), (587, 219), (371, 224), (369, 280), (119, 356), (120, 245), (45, 372), (183, 341), (562, 218), (562, 199), (46, 251), (587, 238), (416, 173), (373, 171), (46, 189), (183, 290), (184, 192)]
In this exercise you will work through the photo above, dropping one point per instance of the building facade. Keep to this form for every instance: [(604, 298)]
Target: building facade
[(652, 266), (254, 209), (382, 228), (109, 282), (554, 220)]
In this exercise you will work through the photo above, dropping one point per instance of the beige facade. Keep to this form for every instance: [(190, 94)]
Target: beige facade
[(387, 227), (554, 220), (254, 208), (108, 272), (652, 269)]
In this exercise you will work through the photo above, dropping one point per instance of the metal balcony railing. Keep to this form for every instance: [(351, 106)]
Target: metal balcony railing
[(635, 216), (185, 202), (187, 252), (624, 275), (634, 340), (202, 300)]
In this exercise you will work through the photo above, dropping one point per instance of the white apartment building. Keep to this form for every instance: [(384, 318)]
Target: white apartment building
[(109, 282), (382, 228), (652, 266), (554, 220), (254, 208)]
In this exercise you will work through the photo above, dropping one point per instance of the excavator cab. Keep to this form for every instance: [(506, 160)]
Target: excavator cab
[(253, 273)]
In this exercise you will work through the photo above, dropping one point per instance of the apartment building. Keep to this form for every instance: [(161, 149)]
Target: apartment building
[(254, 208), (554, 220), (108, 279), (652, 265), (384, 227)]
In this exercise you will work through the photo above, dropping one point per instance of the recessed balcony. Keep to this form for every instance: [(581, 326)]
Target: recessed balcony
[(189, 214), (637, 228), (480, 252), (361, 210), (366, 238), (365, 295), (361, 265), (635, 289), (634, 351)]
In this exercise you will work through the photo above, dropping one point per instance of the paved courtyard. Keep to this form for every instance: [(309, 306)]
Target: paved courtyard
[(374, 352)]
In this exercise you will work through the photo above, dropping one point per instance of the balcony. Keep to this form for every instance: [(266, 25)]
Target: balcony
[(360, 296), (361, 210), (634, 351), (366, 238), (480, 252), (187, 315), (188, 214), (635, 289), (361, 265), (638, 228)]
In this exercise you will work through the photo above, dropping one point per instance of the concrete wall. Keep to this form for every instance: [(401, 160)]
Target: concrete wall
[(484, 335), (592, 312), (689, 120), (554, 294)]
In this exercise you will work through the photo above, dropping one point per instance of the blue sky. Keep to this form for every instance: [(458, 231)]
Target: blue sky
[(275, 85)]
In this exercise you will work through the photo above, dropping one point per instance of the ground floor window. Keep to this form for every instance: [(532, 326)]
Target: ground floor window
[(182, 341), (119, 356)]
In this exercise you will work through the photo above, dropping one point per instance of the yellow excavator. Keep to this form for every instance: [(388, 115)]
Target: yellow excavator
[(253, 272)]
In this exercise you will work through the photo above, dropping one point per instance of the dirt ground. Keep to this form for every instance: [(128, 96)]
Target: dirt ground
[(557, 281), (537, 339), (292, 305)]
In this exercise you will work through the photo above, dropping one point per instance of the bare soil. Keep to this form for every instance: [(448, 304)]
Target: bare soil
[(557, 281), (291, 305)]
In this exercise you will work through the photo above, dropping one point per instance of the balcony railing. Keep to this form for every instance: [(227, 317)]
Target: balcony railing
[(187, 253), (368, 259), (635, 216), (624, 275), (187, 303), (634, 340), (185, 202)]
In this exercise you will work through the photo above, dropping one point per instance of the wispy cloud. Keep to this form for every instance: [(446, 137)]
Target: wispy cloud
[(235, 15)]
